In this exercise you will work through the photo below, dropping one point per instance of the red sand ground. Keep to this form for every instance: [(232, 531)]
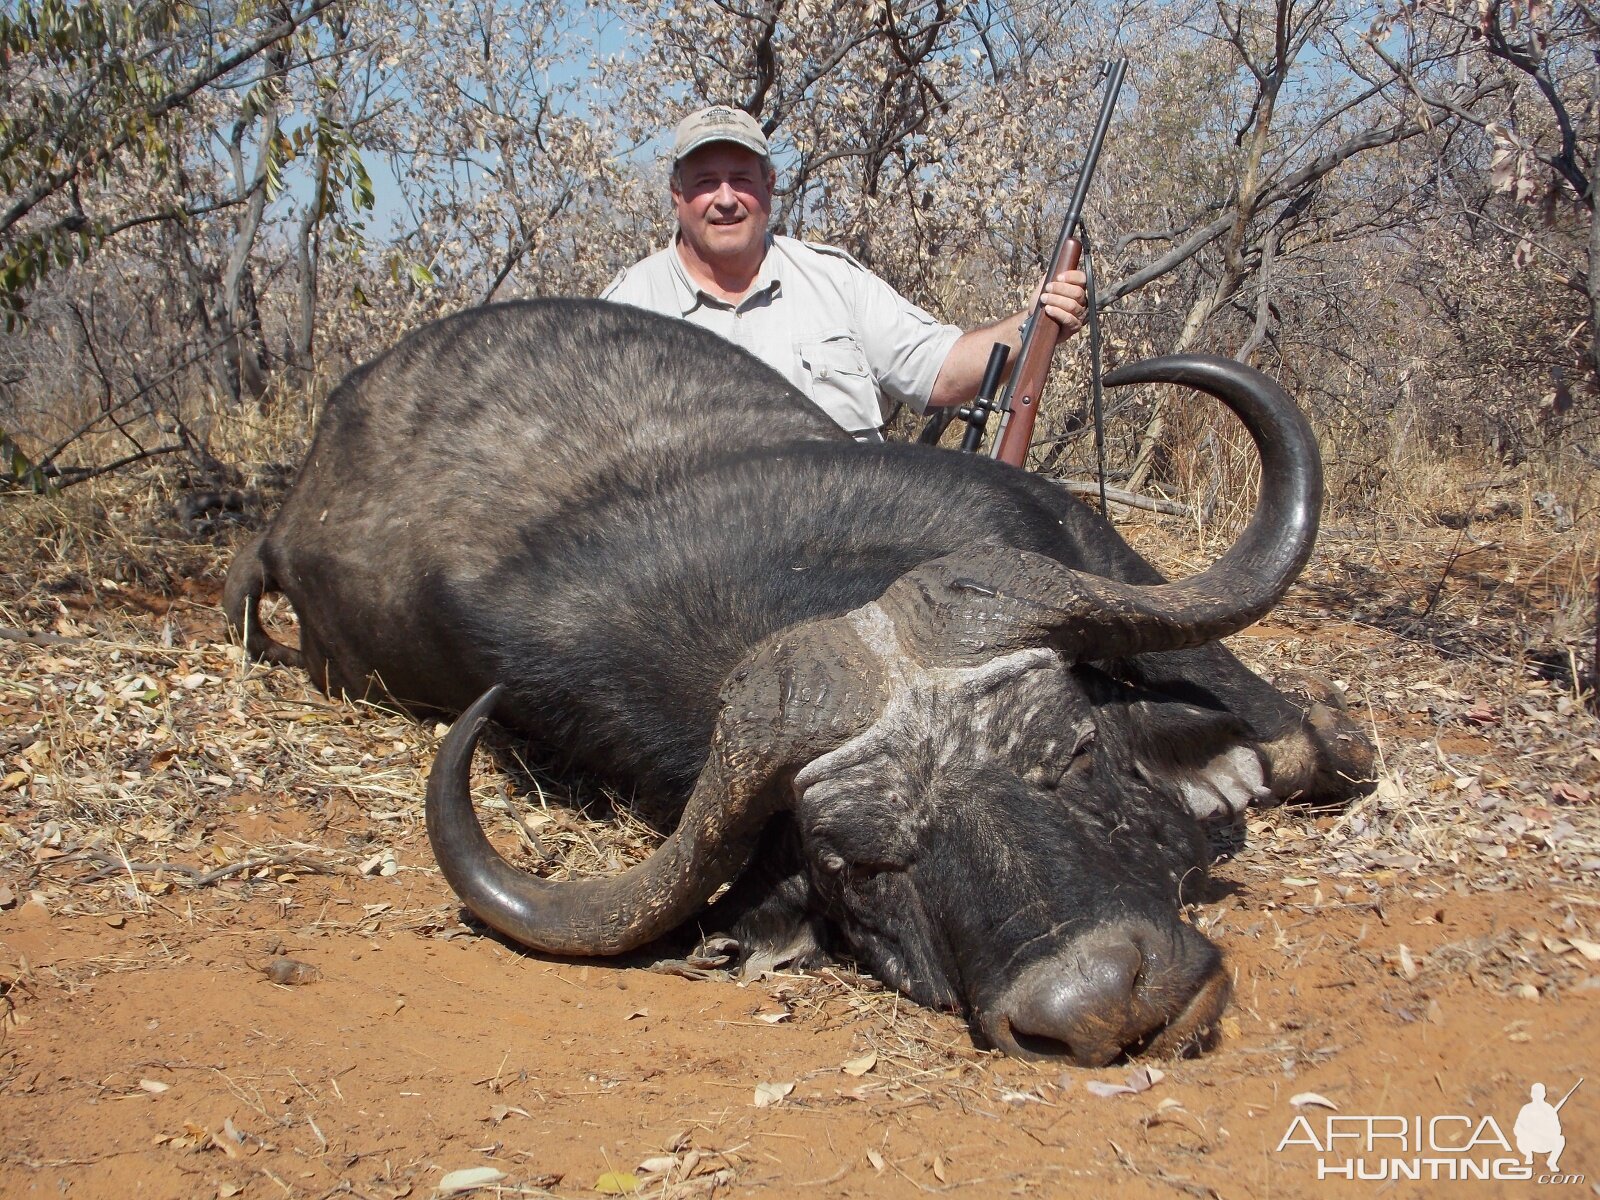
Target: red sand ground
[(148, 1055)]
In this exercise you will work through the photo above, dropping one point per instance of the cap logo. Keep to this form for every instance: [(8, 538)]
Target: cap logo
[(718, 123)]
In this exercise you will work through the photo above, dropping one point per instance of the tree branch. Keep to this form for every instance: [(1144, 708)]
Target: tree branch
[(52, 183)]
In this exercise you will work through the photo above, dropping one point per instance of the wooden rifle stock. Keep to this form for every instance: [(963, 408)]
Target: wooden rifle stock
[(1020, 404), (1032, 371)]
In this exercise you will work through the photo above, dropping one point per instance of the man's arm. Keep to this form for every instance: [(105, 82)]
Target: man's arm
[(1065, 303)]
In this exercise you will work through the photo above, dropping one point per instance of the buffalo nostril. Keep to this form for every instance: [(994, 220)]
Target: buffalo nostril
[(1082, 1008)]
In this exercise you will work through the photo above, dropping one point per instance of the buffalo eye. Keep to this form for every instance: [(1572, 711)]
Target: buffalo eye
[(1051, 775), (837, 867), (865, 872)]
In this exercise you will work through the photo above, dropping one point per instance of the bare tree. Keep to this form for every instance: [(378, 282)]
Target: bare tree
[(1543, 131)]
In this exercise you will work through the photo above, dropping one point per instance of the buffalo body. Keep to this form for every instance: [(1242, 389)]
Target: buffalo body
[(918, 708)]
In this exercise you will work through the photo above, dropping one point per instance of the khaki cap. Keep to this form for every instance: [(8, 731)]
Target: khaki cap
[(719, 123)]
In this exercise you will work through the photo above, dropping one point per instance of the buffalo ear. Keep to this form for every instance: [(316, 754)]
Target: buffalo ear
[(1203, 755), (1175, 731), (769, 913)]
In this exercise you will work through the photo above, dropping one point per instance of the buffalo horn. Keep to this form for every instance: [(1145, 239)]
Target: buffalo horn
[(599, 916), (1120, 619), (985, 599)]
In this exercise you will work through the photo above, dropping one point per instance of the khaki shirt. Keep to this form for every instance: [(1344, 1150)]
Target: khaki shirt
[(819, 318)]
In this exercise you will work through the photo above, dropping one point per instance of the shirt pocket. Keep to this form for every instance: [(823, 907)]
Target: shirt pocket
[(841, 380)]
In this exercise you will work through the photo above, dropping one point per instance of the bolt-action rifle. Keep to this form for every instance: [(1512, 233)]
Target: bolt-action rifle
[(1019, 403)]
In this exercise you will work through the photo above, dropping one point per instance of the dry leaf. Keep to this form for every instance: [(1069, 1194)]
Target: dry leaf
[(661, 1164), (457, 1182), (1303, 1099), (769, 1094), (1142, 1079), (154, 1087), (501, 1111), (1408, 965), (875, 1159), (1590, 950), (1097, 1087), (860, 1066), (938, 1168), (772, 1018)]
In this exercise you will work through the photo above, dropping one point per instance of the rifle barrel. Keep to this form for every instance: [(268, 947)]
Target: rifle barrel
[(1019, 405), (1092, 155)]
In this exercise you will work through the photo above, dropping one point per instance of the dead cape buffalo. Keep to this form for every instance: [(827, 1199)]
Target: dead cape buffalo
[(919, 708)]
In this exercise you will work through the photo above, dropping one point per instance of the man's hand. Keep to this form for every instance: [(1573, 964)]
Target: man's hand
[(1066, 301)]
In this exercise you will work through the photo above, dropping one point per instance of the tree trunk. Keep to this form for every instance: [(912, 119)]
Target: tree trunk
[(306, 255), (1233, 265), (236, 350), (1593, 282), (1144, 461)]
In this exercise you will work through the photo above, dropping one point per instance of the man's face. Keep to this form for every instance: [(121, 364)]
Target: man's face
[(723, 197)]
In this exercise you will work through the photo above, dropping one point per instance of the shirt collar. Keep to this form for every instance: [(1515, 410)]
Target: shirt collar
[(691, 297)]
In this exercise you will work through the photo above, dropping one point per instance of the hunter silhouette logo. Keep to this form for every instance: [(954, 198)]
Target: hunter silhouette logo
[(1453, 1146), (1538, 1127)]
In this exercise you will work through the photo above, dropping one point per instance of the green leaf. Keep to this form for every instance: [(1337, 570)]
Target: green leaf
[(23, 471), (616, 1183), (361, 194)]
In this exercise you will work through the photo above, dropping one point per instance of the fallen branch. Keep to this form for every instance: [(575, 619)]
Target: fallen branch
[(93, 644), (110, 866), (1088, 487), (35, 639), (65, 477)]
